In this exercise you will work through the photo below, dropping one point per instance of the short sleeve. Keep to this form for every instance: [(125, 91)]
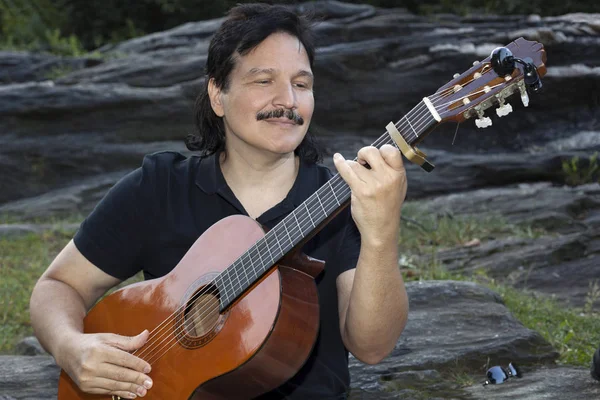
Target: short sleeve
[(349, 249), (113, 235)]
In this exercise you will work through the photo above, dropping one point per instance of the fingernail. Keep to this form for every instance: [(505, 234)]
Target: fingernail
[(132, 395), (337, 156), (141, 391), (147, 369), (147, 384)]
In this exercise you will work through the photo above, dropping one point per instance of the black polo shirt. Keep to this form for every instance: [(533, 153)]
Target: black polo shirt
[(154, 214)]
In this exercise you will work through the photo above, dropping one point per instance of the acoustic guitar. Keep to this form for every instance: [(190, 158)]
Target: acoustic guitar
[(238, 316)]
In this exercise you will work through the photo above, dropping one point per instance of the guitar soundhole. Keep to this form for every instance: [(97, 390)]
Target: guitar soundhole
[(202, 312), (200, 320)]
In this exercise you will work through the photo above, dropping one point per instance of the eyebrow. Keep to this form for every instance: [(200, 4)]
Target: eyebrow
[(258, 71)]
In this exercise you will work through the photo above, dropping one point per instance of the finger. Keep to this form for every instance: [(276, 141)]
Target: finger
[(124, 379), (127, 343), (123, 374), (123, 359), (359, 170), (392, 156), (345, 170), (371, 156), (121, 389)]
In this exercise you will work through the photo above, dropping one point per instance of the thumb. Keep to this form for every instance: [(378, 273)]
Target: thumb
[(344, 169), (129, 343)]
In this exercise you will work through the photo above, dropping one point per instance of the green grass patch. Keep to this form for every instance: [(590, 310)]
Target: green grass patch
[(55, 220), (423, 231), (22, 261), (572, 332), (579, 172)]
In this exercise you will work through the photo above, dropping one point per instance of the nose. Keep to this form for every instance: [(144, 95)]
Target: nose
[(285, 96)]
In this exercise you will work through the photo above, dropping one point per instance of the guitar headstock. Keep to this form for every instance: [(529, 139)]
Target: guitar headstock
[(514, 68)]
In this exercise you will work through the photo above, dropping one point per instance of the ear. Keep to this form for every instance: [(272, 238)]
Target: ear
[(215, 95)]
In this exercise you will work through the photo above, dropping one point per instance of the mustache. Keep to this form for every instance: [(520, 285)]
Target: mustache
[(289, 114)]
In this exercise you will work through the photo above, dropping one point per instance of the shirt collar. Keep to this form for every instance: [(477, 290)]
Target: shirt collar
[(210, 179)]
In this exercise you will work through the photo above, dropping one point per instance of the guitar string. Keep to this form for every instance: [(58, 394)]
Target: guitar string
[(238, 276), (260, 248), (234, 289), (204, 292), (167, 321)]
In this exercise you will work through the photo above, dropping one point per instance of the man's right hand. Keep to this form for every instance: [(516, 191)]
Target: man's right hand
[(101, 364)]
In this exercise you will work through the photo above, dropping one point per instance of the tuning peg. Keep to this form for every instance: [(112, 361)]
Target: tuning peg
[(482, 121), (504, 109), (524, 95), (456, 75)]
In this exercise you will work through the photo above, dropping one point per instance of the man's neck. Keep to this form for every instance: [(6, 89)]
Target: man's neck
[(252, 170)]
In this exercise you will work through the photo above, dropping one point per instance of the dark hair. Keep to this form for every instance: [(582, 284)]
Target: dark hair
[(245, 28)]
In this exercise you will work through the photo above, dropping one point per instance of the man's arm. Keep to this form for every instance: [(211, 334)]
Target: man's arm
[(372, 299), (59, 302), (373, 304)]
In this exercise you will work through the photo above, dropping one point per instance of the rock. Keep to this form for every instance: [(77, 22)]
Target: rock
[(546, 383), (28, 377), (451, 326), (372, 66), (171, 68), (30, 346), (40, 109), (16, 67), (39, 165), (76, 199), (554, 208)]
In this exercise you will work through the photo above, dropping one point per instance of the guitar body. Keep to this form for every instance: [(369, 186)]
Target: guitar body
[(255, 345)]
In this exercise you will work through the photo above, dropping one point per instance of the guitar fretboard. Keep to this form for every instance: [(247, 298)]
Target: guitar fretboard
[(306, 218)]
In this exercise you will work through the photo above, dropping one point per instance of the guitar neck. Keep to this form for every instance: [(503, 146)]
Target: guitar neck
[(308, 218)]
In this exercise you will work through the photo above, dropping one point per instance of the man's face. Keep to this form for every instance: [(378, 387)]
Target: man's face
[(274, 76)]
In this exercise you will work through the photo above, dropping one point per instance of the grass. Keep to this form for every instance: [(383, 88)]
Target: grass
[(574, 333), (22, 261), (579, 172)]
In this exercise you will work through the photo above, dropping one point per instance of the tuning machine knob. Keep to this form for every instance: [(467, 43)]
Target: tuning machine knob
[(504, 109), (524, 95), (482, 121)]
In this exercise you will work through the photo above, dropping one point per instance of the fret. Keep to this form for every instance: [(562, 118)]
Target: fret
[(297, 223), (333, 191), (321, 204), (278, 244), (288, 234), (236, 274), (269, 250), (308, 212), (422, 121), (411, 127), (245, 271), (261, 261)]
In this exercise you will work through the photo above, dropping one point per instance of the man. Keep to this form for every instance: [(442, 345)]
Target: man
[(253, 117)]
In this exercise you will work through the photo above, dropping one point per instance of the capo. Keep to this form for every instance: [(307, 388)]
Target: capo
[(411, 153)]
